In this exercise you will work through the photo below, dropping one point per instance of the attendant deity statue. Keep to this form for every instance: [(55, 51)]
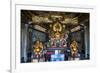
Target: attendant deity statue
[(74, 49), (37, 48)]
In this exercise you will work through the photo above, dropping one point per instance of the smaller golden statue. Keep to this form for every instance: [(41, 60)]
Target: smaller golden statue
[(74, 49), (38, 46)]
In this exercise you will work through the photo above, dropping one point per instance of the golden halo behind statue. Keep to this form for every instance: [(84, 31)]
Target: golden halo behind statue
[(57, 27)]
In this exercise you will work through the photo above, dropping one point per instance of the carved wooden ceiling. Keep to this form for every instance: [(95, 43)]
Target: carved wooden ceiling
[(69, 19)]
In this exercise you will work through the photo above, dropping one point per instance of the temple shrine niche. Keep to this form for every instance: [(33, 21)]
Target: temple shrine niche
[(48, 36)]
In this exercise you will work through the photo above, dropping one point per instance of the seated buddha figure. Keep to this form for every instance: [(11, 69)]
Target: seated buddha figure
[(74, 48)]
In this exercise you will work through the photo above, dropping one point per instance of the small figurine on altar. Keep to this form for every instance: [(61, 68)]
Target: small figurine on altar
[(63, 42), (52, 42), (74, 49)]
